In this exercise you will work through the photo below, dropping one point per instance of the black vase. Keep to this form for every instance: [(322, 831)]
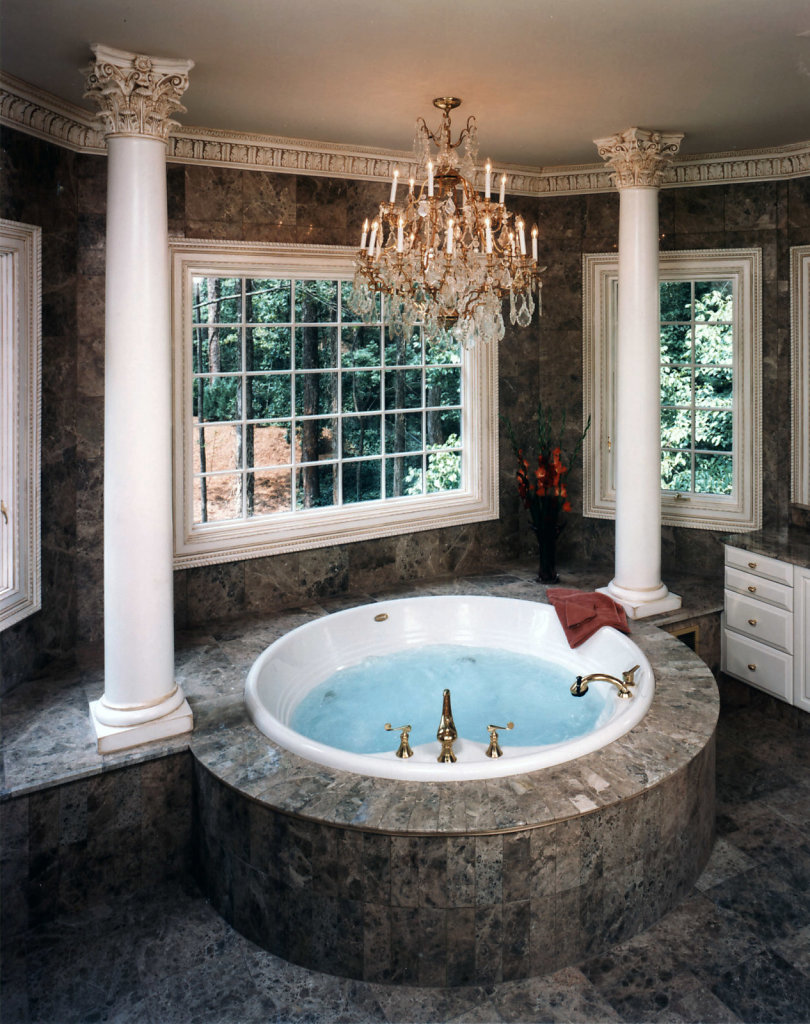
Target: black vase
[(547, 528)]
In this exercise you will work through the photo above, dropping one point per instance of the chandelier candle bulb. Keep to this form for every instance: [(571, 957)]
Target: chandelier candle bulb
[(373, 238), (522, 237), (400, 226), (410, 191), (502, 196), (364, 235), (489, 237), (488, 183), (394, 186), (430, 177), (534, 243)]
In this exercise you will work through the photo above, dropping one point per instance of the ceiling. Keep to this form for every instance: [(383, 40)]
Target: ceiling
[(543, 77)]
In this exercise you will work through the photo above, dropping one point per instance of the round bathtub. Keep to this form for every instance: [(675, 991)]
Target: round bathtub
[(301, 660)]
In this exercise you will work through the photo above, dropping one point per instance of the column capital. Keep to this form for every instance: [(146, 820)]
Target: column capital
[(638, 157), (136, 93)]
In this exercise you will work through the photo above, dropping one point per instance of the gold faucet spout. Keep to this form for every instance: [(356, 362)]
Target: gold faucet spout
[(580, 687), (446, 734)]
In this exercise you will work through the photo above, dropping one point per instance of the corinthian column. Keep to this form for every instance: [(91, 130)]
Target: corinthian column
[(141, 701), (638, 159)]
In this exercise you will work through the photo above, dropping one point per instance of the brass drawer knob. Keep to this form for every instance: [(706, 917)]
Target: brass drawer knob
[(752, 622), (752, 590), (751, 668), (752, 565)]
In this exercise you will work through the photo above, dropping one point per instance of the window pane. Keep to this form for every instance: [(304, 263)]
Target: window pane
[(216, 349), (714, 343), (676, 343), (315, 393), (217, 300), (271, 444), (713, 300), (403, 389), (403, 476), (272, 491), (360, 346), (676, 427), (403, 432), (401, 350), (676, 385), (443, 386), (362, 481), (267, 301), (267, 348), (361, 391), (268, 396), (217, 498), (676, 471), (443, 471), (361, 435), (714, 430), (713, 387), (713, 474), (217, 448), (676, 300), (441, 350), (315, 348), (315, 486), (219, 397), (316, 302), (315, 440)]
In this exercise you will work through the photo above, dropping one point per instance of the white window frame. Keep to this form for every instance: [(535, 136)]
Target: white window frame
[(209, 543), (20, 385), (739, 512), (800, 373)]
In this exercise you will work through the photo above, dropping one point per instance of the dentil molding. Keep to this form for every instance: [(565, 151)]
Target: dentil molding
[(39, 113)]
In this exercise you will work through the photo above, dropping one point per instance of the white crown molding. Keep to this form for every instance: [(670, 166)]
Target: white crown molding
[(39, 113)]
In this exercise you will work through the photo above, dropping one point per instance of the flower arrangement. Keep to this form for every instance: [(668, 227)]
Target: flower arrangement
[(543, 489)]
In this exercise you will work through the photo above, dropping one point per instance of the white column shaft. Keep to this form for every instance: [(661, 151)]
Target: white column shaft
[(138, 589), (637, 465)]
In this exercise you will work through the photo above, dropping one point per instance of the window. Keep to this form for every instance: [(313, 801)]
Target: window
[(800, 372), (20, 247), (710, 387), (297, 425)]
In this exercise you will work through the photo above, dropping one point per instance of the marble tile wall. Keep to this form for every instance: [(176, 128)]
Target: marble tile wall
[(86, 843), (65, 193)]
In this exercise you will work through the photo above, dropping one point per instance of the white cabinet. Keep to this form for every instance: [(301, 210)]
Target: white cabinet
[(766, 625)]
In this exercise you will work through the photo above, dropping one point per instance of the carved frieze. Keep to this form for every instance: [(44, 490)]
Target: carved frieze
[(31, 110), (639, 158), (136, 93)]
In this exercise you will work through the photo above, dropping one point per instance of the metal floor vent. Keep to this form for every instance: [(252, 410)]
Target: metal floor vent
[(689, 635)]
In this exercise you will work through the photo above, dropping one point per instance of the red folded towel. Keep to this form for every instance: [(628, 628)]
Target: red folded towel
[(582, 612)]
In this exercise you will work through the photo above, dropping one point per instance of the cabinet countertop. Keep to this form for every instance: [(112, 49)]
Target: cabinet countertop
[(788, 546)]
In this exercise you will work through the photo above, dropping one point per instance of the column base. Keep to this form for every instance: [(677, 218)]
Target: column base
[(112, 738), (639, 604)]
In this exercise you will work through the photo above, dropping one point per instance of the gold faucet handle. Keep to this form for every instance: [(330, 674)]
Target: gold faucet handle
[(492, 728), (629, 676), (494, 748), (404, 731)]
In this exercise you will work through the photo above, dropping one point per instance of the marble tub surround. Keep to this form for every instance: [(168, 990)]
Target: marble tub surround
[(792, 545)]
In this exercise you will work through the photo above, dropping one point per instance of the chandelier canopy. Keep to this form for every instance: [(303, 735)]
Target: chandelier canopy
[(445, 254)]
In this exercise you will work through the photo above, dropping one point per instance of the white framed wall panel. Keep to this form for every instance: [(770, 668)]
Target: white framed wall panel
[(800, 373), (20, 387)]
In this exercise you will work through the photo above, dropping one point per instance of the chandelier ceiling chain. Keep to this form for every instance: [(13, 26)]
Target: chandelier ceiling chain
[(445, 254)]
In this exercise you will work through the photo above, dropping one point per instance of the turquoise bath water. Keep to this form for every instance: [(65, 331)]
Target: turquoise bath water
[(350, 708)]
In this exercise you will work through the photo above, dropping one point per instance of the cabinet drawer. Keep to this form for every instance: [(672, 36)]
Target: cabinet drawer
[(760, 621), (749, 585), (761, 666), (760, 565)]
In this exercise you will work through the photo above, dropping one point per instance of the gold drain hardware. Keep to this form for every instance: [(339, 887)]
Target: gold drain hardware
[(381, 617)]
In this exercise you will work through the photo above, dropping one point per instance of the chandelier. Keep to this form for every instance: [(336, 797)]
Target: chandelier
[(446, 254)]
